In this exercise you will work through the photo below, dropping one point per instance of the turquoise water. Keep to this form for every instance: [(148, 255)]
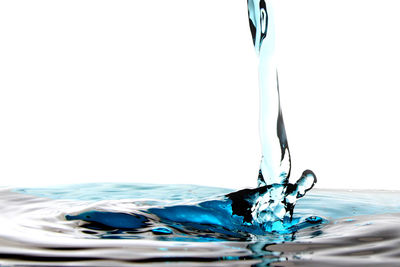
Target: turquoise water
[(188, 225), (272, 208), (48, 227)]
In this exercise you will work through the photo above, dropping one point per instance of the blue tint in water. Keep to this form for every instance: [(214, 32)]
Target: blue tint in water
[(168, 211), (124, 224), (59, 226), (110, 191), (111, 219), (229, 215), (162, 231), (268, 208), (271, 208), (337, 203)]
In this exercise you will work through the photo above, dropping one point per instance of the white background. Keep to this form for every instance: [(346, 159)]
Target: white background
[(166, 92)]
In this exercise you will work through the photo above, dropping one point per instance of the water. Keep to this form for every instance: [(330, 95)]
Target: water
[(358, 228), (125, 224), (273, 207)]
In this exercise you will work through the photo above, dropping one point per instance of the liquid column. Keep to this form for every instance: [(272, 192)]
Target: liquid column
[(279, 199), (275, 162)]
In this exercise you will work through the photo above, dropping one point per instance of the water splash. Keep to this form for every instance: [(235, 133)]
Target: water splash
[(72, 225), (111, 224), (267, 208), (276, 204)]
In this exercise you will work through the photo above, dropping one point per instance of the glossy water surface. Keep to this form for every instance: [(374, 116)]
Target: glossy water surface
[(139, 224), (352, 228)]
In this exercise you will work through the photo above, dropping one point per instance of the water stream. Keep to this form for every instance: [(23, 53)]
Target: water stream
[(187, 225)]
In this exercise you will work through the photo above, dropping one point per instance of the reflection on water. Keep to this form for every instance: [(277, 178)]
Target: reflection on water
[(182, 225), (361, 228)]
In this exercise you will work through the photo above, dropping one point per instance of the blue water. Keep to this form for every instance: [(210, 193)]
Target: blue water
[(337, 203), (188, 225), (272, 208), (185, 208), (132, 224)]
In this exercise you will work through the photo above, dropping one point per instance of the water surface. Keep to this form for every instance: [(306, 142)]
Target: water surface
[(359, 228)]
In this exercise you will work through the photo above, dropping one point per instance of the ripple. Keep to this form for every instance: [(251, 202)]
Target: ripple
[(34, 231)]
